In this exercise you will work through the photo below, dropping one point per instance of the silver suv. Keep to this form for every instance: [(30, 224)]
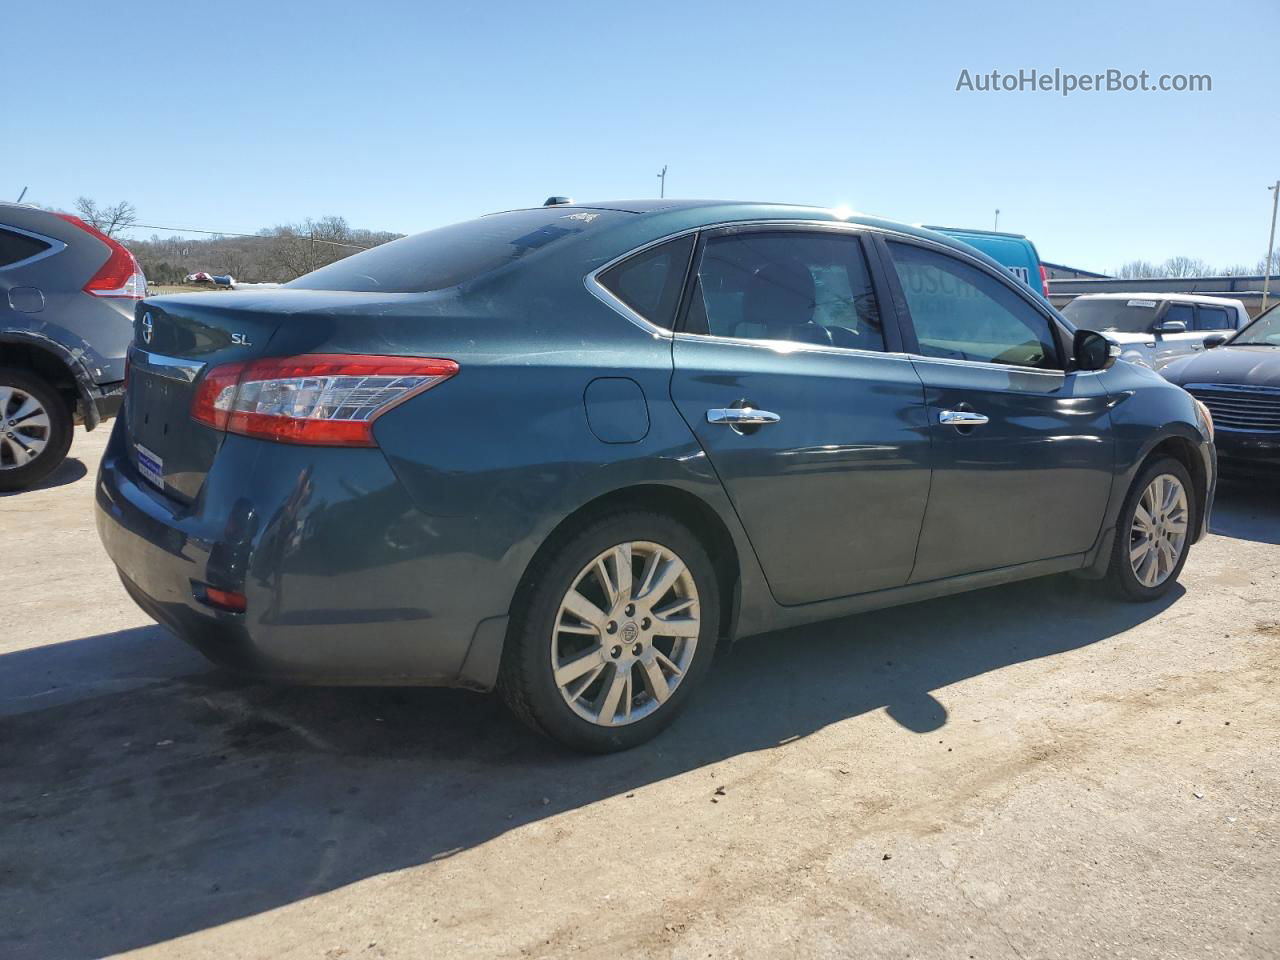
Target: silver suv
[(67, 293), (1155, 328)]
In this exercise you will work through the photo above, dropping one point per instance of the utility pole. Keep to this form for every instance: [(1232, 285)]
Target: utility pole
[(996, 225), (662, 181), (1271, 244)]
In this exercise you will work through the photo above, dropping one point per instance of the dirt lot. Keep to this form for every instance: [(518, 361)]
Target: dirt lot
[(1029, 771)]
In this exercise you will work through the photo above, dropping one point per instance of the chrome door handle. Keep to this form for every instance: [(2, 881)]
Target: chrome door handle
[(741, 416), (962, 418)]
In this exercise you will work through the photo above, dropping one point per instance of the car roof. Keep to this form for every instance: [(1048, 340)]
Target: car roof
[(48, 223), (673, 215), (1174, 297)]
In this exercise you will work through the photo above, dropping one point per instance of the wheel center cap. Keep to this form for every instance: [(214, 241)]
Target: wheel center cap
[(630, 632)]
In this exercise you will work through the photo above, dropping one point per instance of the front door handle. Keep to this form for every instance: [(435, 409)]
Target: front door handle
[(962, 418), (741, 416)]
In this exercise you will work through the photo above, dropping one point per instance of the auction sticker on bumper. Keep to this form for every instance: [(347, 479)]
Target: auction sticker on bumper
[(149, 465)]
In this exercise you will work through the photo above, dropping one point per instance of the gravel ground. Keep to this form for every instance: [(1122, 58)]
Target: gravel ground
[(1027, 771)]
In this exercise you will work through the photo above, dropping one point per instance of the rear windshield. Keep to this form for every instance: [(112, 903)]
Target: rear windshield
[(1113, 316), (455, 254)]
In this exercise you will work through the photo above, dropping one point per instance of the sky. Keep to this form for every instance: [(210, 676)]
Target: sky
[(409, 115)]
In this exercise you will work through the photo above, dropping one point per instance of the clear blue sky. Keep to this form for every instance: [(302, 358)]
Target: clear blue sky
[(408, 115)]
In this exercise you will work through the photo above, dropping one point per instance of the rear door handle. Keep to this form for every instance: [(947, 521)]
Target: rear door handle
[(741, 416), (962, 418)]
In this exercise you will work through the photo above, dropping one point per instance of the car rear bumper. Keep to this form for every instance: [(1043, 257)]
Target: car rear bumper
[(354, 591)]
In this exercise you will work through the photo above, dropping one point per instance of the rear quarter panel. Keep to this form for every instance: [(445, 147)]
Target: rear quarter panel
[(495, 458)]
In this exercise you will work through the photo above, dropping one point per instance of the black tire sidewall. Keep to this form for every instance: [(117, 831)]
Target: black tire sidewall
[(1122, 577), (60, 429), (529, 646)]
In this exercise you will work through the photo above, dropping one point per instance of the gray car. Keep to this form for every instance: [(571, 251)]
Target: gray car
[(67, 293)]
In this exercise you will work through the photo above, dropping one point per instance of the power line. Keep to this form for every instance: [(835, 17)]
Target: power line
[(256, 236)]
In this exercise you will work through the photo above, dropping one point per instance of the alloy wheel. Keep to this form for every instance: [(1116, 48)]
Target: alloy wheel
[(25, 427), (1159, 531), (625, 633)]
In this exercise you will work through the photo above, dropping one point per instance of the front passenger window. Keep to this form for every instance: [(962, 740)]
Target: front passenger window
[(1181, 312), (961, 313)]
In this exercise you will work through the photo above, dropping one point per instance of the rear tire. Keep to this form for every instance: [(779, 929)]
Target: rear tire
[(610, 673), (35, 429), (1153, 532)]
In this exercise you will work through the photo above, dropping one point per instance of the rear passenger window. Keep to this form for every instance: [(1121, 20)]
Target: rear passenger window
[(16, 247), (809, 287), (961, 313), (650, 282), (1213, 318)]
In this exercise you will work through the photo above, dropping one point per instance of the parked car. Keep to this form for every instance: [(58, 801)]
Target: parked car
[(67, 293), (1238, 379), (1012, 251), (1154, 328), (568, 451)]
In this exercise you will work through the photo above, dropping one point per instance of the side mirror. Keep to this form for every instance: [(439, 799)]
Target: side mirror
[(1215, 340), (1093, 351), (1170, 326)]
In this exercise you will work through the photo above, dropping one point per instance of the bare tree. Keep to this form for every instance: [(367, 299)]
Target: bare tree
[(111, 220), (1186, 267), (1137, 270), (1261, 267)]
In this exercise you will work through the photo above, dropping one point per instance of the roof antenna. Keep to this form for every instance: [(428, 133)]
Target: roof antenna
[(557, 201), (21, 195)]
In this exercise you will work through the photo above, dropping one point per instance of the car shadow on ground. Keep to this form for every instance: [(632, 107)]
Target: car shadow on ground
[(1247, 509), (68, 471), (146, 796)]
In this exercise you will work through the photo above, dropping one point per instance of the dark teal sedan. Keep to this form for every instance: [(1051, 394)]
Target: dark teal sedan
[(566, 451)]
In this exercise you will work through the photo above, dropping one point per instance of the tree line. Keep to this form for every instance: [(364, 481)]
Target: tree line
[(272, 255), (1192, 267)]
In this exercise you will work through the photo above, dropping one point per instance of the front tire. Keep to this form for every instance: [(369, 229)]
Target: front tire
[(35, 429), (1153, 532), (612, 632)]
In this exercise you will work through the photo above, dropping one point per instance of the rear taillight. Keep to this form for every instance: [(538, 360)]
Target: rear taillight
[(1044, 281), (230, 600), (120, 276), (322, 399)]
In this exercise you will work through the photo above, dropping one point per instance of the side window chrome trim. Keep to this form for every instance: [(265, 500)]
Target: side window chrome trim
[(602, 293), (1006, 367), (791, 346), (55, 247), (605, 296)]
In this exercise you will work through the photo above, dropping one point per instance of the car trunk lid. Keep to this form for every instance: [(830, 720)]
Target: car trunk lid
[(178, 340)]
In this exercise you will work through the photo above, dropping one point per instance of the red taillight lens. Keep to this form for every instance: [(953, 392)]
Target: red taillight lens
[(228, 600), (322, 399), (1044, 281), (215, 395), (120, 276)]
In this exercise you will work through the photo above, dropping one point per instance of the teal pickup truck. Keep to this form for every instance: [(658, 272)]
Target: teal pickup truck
[(1012, 251)]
